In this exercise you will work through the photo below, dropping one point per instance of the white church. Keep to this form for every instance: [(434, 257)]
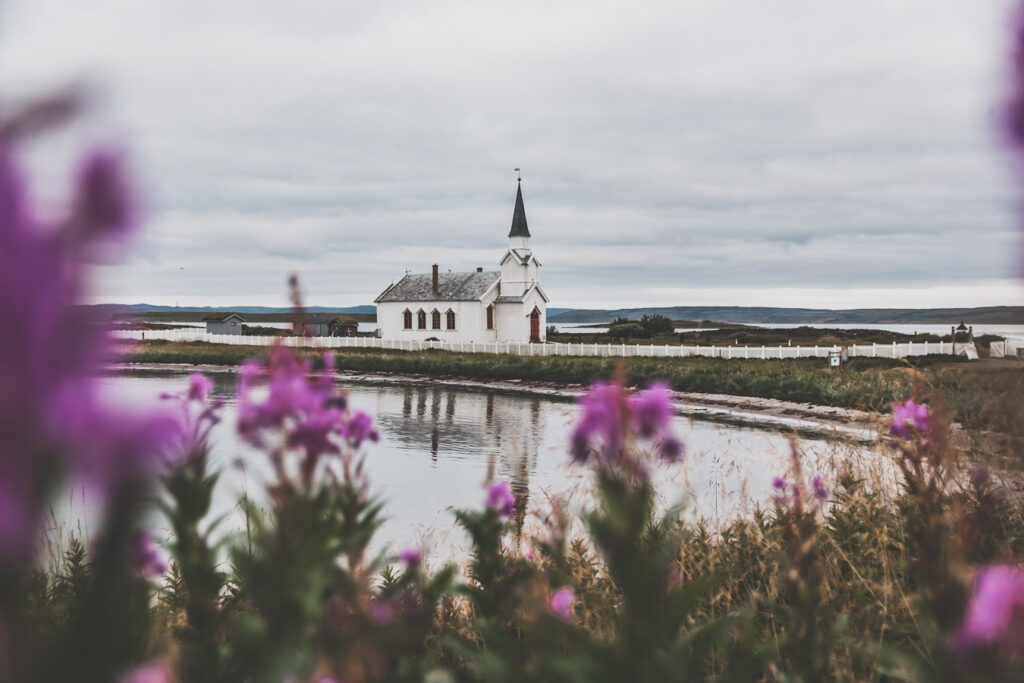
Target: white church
[(504, 305)]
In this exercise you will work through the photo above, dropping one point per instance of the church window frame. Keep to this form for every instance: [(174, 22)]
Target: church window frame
[(435, 319), (407, 319), (449, 319), (490, 317), (421, 319)]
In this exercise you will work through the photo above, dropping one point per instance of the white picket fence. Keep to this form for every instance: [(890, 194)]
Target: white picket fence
[(893, 350)]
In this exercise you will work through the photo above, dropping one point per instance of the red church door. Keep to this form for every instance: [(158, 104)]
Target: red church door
[(535, 326)]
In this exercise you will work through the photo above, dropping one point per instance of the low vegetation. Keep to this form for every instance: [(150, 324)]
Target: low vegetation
[(844, 579)]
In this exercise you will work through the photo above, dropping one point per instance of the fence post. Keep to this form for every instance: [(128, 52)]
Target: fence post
[(926, 348), (894, 349), (910, 348), (874, 349), (746, 351), (764, 352), (730, 352), (780, 351)]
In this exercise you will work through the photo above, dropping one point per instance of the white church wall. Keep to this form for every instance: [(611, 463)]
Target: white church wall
[(470, 321)]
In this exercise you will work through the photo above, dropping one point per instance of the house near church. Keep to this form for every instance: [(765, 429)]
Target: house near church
[(224, 323), (326, 325), (506, 305)]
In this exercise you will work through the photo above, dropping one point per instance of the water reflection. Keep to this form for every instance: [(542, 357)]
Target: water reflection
[(438, 443), (456, 425)]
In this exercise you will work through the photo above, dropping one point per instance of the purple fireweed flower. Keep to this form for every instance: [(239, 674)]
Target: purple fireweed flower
[(1013, 115), (103, 201), (603, 417), (671, 449), (501, 499), (652, 410), (410, 557), (381, 611), (562, 602), (360, 428), (907, 416), (818, 488), (995, 612), (53, 421), (143, 556), (313, 434), (148, 673), (778, 483), (199, 387), (610, 415)]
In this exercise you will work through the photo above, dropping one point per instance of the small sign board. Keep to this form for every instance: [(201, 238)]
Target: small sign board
[(834, 359)]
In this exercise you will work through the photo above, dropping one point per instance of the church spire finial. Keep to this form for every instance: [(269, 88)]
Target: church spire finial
[(519, 227), (519, 177)]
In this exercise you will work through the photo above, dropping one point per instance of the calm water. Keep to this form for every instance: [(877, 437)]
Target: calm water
[(436, 443)]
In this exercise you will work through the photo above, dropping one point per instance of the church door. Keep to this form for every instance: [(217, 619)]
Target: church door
[(535, 326)]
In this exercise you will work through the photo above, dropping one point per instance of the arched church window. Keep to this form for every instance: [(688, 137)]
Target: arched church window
[(451, 319), (421, 319), (407, 319), (490, 317), (435, 319)]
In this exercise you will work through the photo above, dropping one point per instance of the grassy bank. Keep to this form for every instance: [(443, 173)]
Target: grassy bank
[(981, 396)]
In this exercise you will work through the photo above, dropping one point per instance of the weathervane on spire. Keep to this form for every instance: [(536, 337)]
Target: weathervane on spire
[(519, 177)]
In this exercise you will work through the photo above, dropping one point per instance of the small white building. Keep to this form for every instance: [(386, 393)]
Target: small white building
[(481, 306), (224, 323)]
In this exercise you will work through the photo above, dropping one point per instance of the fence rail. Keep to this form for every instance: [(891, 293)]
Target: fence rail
[(893, 350)]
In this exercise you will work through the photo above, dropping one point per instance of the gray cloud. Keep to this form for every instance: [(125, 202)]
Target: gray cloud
[(670, 150)]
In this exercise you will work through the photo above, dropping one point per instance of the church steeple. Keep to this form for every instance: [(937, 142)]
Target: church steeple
[(519, 227)]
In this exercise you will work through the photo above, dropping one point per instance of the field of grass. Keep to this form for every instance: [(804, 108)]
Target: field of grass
[(981, 396)]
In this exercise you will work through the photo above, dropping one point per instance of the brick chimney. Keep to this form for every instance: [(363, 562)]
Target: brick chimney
[(436, 287), (479, 269)]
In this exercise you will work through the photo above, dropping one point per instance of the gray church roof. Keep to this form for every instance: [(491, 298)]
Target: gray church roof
[(519, 227), (451, 287)]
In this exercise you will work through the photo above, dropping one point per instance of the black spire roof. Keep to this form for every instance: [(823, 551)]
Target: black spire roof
[(519, 228)]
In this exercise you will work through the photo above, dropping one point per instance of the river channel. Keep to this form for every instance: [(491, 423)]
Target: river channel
[(437, 443)]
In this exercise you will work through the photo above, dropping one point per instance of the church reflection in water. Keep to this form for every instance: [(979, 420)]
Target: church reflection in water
[(459, 424)]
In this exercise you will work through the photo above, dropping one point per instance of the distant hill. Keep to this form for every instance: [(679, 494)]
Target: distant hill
[(998, 315)]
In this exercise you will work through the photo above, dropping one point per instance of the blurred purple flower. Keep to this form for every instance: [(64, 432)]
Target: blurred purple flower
[(818, 488), (602, 419), (672, 449), (313, 433), (360, 428), (995, 612), (104, 205), (562, 602), (53, 421), (144, 557), (501, 499), (609, 413), (778, 483), (199, 387), (381, 611), (410, 557), (1014, 112), (907, 416), (652, 410), (149, 673)]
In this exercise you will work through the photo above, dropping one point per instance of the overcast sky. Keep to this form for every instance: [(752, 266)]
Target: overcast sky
[(787, 153)]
